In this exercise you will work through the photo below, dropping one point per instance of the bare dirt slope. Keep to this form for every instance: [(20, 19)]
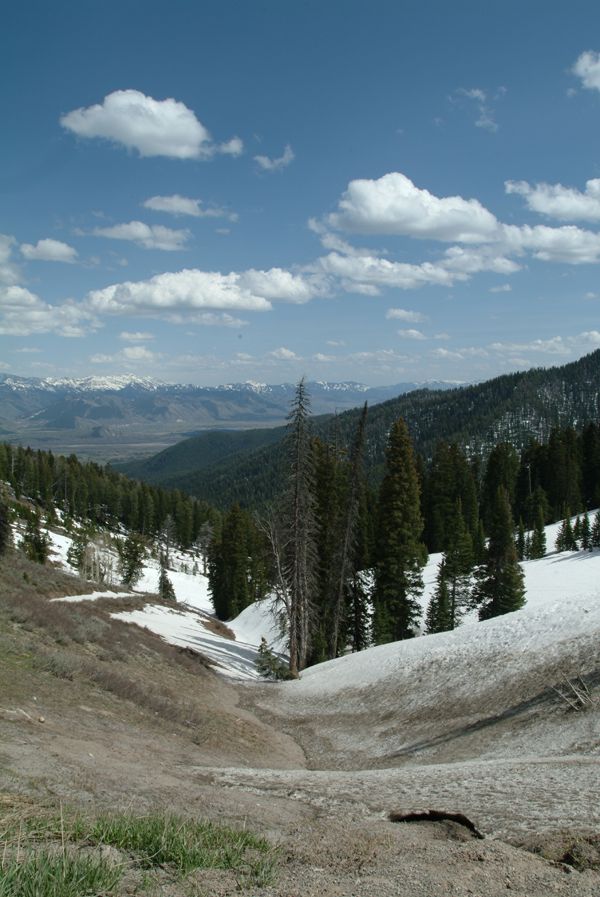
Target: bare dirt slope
[(94, 713)]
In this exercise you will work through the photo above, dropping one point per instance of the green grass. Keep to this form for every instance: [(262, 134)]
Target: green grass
[(42, 874), (152, 841), (158, 840)]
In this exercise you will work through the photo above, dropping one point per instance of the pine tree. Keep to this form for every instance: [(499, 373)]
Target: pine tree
[(499, 581), (165, 586), (537, 546), (131, 552), (76, 554), (438, 615), (348, 554), (400, 553), (299, 526), (596, 531), (35, 543), (520, 540), (586, 533), (458, 567), (565, 540)]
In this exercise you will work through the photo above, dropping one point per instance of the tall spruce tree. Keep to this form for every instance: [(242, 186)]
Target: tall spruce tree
[(400, 554), (459, 561), (499, 587), (300, 529), (348, 553), (438, 614), (537, 545)]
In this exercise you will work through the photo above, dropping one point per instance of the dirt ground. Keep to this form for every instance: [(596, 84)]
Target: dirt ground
[(66, 738)]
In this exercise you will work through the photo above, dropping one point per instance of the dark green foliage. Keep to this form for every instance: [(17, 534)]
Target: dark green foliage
[(537, 545), (98, 495), (520, 540), (269, 665), (131, 551), (76, 554), (299, 527), (595, 535), (499, 585), (449, 480), (586, 533), (165, 586), (459, 561), (399, 557), (438, 615), (5, 532), (565, 540), (358, 613), (564, 469), (520, 407), (238, 571), (35, 543), (500, 472)]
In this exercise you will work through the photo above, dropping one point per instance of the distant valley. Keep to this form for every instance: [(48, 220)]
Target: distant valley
[(107, 418)]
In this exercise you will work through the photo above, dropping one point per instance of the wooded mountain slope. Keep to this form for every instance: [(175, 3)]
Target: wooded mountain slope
[(250, 467)]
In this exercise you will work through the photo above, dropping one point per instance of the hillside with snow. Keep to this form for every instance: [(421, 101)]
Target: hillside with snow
[(469, 721)]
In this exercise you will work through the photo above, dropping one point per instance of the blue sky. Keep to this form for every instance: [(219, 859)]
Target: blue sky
[(211, 192)]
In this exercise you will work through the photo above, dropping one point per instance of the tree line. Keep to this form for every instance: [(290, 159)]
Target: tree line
[(345, 558)]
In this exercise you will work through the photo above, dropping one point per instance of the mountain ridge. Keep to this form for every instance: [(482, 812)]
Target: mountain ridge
[(513, 407)]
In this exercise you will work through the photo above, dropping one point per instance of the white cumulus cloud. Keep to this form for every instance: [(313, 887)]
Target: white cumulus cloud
[(394, 205), (405, 314), (268, 164), (49, 250), (184, 205), (137, 336), (22, 313), (148, 236), (411, 334), (152, 127), (188, 290), (556, 201), (277, 283), (284, 354), (587, 68)]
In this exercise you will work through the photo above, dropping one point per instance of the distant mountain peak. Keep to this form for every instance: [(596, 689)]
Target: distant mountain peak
[(108, 383)]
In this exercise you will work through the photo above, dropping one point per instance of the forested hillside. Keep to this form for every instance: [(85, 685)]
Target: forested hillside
[(514, 408)]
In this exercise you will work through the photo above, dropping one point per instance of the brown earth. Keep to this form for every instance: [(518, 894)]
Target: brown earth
[(97, 714)]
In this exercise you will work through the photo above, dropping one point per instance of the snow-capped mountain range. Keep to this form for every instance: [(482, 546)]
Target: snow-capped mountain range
[(127, 410)]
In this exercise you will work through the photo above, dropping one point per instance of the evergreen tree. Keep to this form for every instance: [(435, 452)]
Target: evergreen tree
[(499, 585), (165, 586), (400, 553), (565, 540), (520, 540), (349, 553), (438, 614), (300, 528), (501, 472), (586, 533), (131, 552), (458, 568), (35, 543), (76, 553), (537, 547), (595, 538), (229, 567)]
